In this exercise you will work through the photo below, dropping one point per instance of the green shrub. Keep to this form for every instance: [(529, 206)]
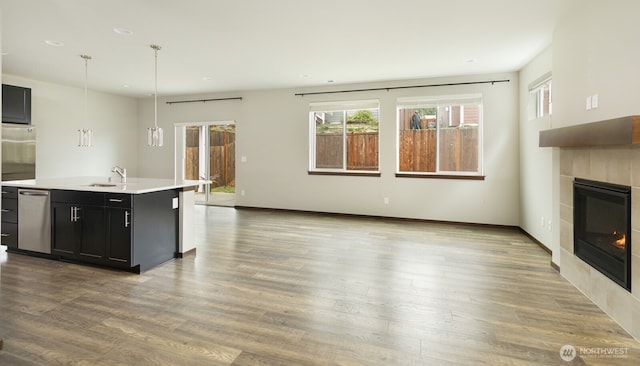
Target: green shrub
[(362, 116)]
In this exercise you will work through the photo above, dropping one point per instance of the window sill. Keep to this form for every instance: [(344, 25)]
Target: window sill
[(440, 176), (350, 174)]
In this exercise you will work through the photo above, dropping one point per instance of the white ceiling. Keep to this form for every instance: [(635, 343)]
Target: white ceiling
[(258, 44)]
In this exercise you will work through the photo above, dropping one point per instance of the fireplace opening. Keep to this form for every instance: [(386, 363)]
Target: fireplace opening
[(602, 228)]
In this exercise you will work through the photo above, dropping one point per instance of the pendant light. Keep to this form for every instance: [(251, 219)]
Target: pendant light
[(85, 135), (154, 134)]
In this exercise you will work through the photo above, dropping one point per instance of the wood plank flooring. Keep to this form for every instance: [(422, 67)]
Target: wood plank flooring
[(286, 288)]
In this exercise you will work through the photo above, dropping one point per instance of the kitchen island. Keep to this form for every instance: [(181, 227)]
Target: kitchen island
[(133, 225)]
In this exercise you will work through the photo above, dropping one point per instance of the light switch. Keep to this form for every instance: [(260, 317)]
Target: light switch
[(588, 103), (594, 101), (174, 203)]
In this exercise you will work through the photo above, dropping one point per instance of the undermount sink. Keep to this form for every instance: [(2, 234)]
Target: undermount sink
[(102, 185)]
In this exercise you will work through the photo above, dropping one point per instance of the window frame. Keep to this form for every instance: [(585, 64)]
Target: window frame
[(441, 101), (340, 106), (536, 105)]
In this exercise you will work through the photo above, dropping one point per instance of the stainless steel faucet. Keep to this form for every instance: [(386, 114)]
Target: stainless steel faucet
[(122, 172)]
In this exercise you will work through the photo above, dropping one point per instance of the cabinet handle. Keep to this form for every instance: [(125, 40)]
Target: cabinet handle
[(5, 210), (34, 193), (126, 218), (74, 214), (5, 235), (115, 200)]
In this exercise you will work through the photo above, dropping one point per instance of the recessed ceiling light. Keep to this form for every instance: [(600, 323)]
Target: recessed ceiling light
[(125, 85), (54, 43), (207, 78), (123, 31)]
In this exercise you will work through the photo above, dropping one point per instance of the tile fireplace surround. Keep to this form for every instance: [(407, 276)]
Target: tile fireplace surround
[(619, 164)]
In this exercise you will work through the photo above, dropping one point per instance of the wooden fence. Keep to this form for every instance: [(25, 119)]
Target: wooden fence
[(222, 156), (362, 151), (458, 150)]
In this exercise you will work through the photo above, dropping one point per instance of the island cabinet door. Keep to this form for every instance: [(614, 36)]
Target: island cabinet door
[(66, 230), (119, 236), (92, 242)]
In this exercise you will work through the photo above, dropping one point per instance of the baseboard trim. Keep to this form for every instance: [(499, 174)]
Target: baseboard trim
[(544, 247), (377, 217), (191, 251)]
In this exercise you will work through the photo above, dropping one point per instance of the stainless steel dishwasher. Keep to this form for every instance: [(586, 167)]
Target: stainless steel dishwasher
[(34, 220)]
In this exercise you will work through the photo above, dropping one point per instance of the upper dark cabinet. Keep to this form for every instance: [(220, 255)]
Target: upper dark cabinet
[(16, 104)]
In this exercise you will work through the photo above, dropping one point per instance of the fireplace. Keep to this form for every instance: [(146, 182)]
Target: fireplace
[(602, 228)]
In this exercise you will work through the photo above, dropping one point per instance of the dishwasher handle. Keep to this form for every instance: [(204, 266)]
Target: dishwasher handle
[(34, 193)]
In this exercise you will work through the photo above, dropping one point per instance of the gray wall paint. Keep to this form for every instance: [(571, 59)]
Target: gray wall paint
[(57, 114), (595, 51), (536, 201), (272, 133)]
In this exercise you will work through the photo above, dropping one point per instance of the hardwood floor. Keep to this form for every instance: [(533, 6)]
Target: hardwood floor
[(284, 288)]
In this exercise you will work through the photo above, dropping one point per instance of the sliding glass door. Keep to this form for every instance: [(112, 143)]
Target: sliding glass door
[(209, 154)]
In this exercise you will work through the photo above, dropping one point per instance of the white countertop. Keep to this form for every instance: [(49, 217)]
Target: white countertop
[(132, 186)]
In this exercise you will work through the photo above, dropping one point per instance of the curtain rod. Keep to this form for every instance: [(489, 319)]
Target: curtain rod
[(204, 100), (406, 87)]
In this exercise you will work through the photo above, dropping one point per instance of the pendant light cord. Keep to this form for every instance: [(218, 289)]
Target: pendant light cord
[(155, 94), (86, 59), (156, 48), (86, 75)]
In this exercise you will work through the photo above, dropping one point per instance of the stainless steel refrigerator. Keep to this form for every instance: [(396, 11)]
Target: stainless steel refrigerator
[(18, 152)]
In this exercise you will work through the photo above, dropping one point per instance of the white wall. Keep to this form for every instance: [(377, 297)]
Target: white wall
[(595, 50), (57, 114), (272, 133), (158, 162), (536, 173)]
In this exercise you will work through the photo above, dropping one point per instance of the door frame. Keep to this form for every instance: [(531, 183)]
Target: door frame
[(180, 148)]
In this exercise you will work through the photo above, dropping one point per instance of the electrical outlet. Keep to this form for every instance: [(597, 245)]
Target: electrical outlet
[(242, 192), (549, 225), (588, 103), (542, 221), (594, 101), (386, 200)]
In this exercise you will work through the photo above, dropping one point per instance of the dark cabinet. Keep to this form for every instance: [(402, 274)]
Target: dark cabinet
[(16, 104), (66, 233), (92, 236), (128, 231), (78, 225), (119, 222), (9, 229)]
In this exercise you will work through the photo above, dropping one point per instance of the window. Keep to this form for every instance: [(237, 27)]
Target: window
[(440, 136), (540, 98), (344, 137)]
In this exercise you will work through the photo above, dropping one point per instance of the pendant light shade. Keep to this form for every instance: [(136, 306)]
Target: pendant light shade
[(154, 134), (85, 135)]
